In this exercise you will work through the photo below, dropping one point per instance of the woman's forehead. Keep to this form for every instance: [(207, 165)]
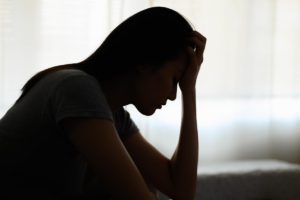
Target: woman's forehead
[(176, 66), (181, 62)]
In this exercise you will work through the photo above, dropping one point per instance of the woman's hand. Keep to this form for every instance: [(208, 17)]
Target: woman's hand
[(195, 59)]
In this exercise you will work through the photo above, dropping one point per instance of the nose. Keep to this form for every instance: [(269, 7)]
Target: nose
[(173, 93)]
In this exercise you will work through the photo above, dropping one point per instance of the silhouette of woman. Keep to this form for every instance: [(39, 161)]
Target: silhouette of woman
[(68, 135)]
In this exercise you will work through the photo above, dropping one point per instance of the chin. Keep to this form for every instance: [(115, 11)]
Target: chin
[(146, 111)]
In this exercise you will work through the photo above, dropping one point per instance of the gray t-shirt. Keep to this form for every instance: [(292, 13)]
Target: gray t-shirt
[(36, 156)]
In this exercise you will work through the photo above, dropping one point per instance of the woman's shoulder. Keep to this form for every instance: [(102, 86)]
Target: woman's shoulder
[(68, 75)]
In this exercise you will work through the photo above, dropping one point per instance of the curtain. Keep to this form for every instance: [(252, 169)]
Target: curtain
[(248, 94)]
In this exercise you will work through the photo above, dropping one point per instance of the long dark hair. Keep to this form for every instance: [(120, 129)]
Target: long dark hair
[(151, 36)]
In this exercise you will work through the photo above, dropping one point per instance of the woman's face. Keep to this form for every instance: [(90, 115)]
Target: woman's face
[(153, 87)]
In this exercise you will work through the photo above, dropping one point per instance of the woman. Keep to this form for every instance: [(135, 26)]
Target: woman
[(68, 134)]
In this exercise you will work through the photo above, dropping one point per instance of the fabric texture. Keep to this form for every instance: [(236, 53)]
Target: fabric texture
[(36, 156), (249, 180)]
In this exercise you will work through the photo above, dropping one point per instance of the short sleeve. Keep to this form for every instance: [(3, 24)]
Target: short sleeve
[(124, 124), (79, 95)]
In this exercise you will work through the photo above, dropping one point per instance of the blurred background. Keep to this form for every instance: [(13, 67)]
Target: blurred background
[(248, 90)]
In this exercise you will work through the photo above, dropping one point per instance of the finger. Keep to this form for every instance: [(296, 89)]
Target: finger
[(198, 42), (191, 55), (195, 56), (198, 49), (200, 36), (200, 46)]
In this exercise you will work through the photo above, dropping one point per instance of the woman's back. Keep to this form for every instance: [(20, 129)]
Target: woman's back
[(34, 152)]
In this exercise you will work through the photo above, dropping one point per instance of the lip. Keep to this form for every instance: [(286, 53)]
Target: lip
[(161, 105)]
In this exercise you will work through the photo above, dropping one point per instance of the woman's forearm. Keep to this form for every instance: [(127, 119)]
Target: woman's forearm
[(185, 159)]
